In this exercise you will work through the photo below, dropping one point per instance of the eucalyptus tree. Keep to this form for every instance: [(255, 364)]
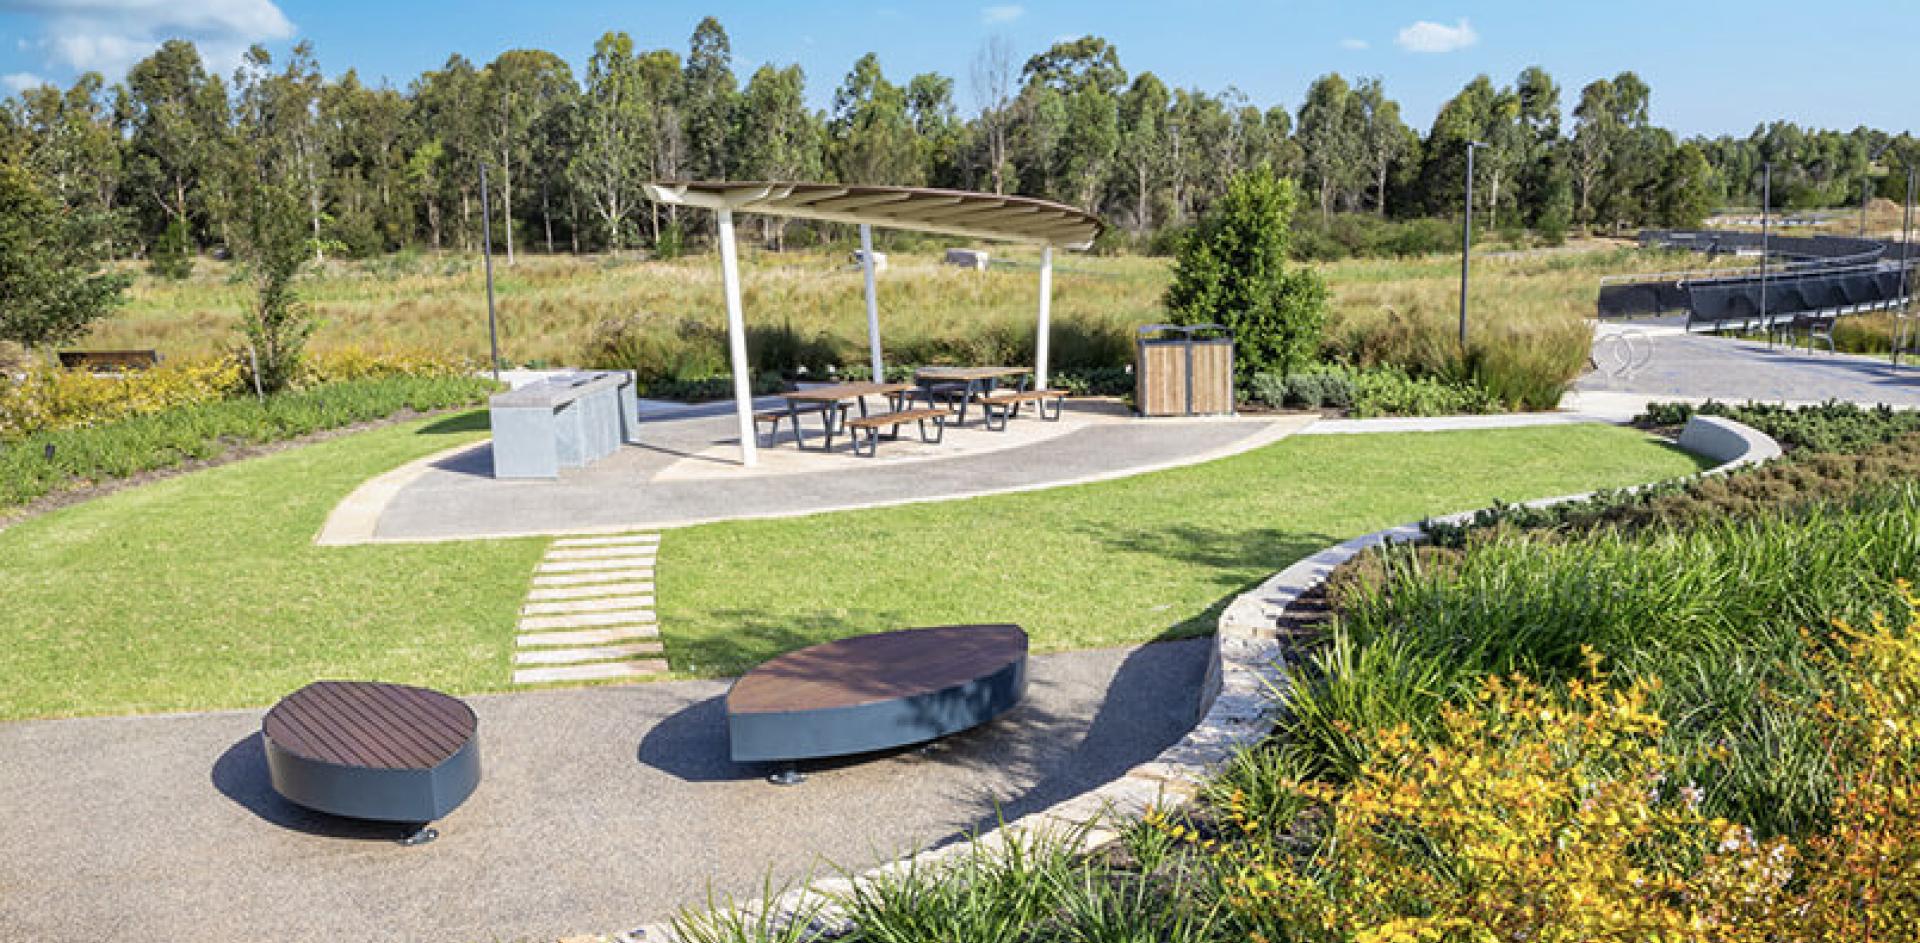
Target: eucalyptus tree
[(1076, 82), (614, 126), (450, 103), (1384, 138), (177, 115), (1330, 139), (1142, 153), (940, 135), (778, 138), (662, 85), (993, 91), (710, 93), (72, 140), (521, 86), (51, 283), (280, 116), (870, 138)]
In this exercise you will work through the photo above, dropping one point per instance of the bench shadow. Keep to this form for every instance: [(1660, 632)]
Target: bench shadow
[(240, 774), (471, 421)]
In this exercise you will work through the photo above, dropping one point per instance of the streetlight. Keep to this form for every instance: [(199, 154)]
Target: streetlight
[(1466, 243), (486, 250)]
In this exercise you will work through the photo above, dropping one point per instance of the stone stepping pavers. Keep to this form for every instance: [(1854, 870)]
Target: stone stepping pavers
[(589, 615), (589, 591)]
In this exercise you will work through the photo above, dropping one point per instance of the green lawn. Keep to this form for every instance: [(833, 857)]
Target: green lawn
[(206, 590), (1156, 556)]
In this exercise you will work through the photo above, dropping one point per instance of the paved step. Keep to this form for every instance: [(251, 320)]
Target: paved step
[(584, 566), (598, 576), (591, 590), (600, 553), (603, 604), (568, 656), (625, 633), (618, 541), (581, 620), (599, 672)]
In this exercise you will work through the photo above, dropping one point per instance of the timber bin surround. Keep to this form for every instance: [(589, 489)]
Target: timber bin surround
[(370, 750), (564, 421), (1184, 370)]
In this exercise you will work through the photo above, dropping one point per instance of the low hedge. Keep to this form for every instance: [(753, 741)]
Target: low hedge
[(46, 462), (1373, 391)]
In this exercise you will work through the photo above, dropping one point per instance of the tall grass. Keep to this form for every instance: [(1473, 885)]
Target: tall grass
[(1715, 611), (1526, 333)]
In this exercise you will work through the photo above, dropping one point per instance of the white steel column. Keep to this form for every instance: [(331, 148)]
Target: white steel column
[(873, 304), (1046, 311), (737, 338)]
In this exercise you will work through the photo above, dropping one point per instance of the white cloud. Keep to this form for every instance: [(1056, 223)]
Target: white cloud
[(20, 81), (1002, 13), (109, 35), (1353, 44), (1426, 36)]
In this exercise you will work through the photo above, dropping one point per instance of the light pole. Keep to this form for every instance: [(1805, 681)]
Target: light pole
[(486, 250), (1466, 244)]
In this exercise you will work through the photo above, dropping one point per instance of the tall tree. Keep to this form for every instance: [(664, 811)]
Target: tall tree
[(281, 113), (1143, 143), (1075, 86), (613, 157), (178, 117), (993, 90), (450, 101), (522, 86), (51, 285), (871, 138), (778, 138), (1331, 139), (1384, 138), (937, 128), (710, 92)]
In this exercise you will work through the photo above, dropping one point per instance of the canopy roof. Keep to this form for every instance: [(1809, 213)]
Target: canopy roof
[(953, 212)]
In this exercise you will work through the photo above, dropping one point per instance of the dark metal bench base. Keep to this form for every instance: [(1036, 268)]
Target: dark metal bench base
[(871, 426), (1000, 409)]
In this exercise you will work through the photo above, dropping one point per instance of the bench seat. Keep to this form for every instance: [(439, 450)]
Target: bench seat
[(1003, 405), (774, 417), (872, 425)]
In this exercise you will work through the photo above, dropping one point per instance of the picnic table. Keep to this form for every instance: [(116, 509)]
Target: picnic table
[(968, 383), (831, 402)]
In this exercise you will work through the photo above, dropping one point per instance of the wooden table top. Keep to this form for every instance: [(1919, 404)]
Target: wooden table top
[(883, 667), (370, 724), (834, 394), (970, 373)]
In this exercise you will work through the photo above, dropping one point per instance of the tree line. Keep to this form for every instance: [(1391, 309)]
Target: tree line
[(171, 153)]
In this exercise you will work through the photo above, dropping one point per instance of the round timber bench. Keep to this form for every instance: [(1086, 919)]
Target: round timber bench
[(370, 750), (872, 692)]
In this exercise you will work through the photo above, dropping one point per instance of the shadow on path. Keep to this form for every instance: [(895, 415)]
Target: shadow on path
[(240, 774)]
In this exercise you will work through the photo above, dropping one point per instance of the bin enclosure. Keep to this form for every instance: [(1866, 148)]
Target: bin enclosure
[(1184, 370)]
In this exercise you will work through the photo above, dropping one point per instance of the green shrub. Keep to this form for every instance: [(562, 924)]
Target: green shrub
[(1307, 390), (1233, 270), (1390, 391), (46, 462), (171, 255), (707, 389)]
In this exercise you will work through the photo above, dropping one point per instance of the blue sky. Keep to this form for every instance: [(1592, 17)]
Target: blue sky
[(1714, 67)]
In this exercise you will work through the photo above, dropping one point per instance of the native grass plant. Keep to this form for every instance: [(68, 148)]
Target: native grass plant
[(1829, 427), (1713, 609), (1372, 391)]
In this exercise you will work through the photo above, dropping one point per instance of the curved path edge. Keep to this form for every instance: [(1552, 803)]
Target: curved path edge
[(1244, 689)]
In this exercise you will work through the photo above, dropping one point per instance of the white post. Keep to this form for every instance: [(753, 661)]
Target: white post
[(1046, 310), (873, 303), (737, 338)]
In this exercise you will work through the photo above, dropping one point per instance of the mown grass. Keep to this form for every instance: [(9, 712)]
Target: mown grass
[(1110, 563), (206, 590)]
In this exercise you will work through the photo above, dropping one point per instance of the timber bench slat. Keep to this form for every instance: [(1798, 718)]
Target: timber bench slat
[(109, 359), (897, 418), (366, 724)]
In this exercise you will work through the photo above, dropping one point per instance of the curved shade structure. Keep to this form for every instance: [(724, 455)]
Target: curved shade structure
[(951, 212)]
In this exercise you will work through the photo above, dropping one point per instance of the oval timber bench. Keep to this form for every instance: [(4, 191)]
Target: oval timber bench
[(369, 750), (872, 692)]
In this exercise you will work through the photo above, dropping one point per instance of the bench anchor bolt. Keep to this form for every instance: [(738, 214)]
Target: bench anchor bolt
[(789, 776)]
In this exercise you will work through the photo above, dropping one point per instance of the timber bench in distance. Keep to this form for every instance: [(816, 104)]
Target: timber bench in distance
[(871, 425), (109, 360), (369, 750), (873, 692)]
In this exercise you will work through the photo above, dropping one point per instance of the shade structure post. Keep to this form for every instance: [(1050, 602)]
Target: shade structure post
[(737, 338), (873, 304), (1046, 311)]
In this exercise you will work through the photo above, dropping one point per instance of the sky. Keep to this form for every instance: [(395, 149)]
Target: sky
[(1715, 67)]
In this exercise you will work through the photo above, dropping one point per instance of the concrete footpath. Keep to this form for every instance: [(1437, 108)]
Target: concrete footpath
[(600, 808)]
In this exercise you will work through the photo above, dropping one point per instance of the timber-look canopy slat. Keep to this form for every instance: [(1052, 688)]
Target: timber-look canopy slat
[(952, 212)]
